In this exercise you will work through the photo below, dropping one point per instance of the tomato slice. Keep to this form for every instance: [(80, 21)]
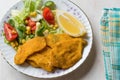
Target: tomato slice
[(48, 15), (31, 23), (10, 32), (33, 28), (51, 22)]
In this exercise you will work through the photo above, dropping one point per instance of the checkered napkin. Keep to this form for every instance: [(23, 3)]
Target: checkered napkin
[(105, 42), (110, 33)]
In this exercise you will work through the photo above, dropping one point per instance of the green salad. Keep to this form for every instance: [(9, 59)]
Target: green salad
[(34, 19)]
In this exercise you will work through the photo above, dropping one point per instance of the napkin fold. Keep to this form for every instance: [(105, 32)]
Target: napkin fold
[(110, 33)]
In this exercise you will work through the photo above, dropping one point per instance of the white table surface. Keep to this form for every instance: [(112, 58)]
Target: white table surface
[(93, 67)]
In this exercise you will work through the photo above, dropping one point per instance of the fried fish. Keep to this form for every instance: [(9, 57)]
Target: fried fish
[(42, 59), (67, 53), (30, 47), (50, 52), (51, 39)]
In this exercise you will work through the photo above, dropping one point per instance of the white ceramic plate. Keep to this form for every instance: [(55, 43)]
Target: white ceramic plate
[(8, 52)]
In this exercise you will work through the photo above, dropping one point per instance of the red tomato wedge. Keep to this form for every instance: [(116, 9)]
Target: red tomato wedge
[(48, 15), (31, 24), (33, 28), (10, 32)]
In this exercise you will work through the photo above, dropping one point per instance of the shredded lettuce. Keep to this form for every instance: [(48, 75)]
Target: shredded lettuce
[(32, 5), (15, 12), (18, 16), (40, 29), (38, 4), (29, 6)]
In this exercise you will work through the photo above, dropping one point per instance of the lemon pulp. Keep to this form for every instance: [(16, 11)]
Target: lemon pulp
[(70, 24)]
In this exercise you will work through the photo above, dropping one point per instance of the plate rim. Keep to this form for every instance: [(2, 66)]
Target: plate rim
[(69, 70)]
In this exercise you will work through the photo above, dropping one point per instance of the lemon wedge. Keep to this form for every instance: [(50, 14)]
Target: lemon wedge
[(69, 24)]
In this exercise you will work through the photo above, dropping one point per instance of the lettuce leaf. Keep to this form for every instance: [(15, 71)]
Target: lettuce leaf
[(18, 16), (29, 6)]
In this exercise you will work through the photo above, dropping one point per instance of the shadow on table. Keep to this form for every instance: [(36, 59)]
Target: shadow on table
[(81, 71)]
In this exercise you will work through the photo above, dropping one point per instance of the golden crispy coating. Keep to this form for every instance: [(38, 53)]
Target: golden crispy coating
[(50, 52), (53, 39), (42, 59), (30, 47), (67, 53), (32, 63)]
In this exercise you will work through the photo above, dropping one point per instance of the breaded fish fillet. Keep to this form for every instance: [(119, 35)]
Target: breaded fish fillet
[(52, 39), (67, 53), (30, 47), (42, 59)]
